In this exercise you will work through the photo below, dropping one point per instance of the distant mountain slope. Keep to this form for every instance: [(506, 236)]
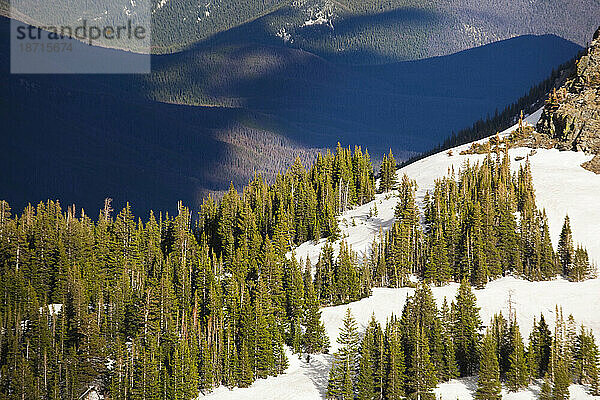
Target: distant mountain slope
[(323, 102), (249, 108), (358, 31), (383, 31)]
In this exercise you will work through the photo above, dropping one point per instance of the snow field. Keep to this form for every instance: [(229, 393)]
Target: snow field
[(561, 186)]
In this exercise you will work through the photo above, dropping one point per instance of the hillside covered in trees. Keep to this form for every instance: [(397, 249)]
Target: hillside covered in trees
[(348, 32), (175, 305), (215, 114), (426, 345)]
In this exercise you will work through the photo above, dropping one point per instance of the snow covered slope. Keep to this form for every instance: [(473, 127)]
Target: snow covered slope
[(561, 186), (304, 380)]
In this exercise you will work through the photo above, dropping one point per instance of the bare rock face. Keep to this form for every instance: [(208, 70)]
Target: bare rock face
[(571, 115)]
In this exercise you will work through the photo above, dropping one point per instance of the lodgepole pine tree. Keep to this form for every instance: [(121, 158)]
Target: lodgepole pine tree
[(488, 384), (314, 339), (518, 371), (561, 381), (586, 359), (450, 367), (343, 368), (566, 252), (466, 329), (422, 374), (387, 173), (394, 364), (581, 265), (365, 382)]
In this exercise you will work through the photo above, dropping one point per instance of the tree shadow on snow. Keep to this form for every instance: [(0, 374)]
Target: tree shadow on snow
[(318, 371)]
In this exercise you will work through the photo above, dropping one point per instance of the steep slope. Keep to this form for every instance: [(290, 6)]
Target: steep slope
[(215, 114), (572, 114), (561, 185), (352, 31)]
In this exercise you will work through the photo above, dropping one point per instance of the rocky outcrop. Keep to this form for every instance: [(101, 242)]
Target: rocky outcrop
[(593, 165), (571, 115)]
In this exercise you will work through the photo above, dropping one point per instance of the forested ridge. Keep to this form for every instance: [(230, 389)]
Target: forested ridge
[(166, 307), (176, 304), (349, 32), (217, 113)]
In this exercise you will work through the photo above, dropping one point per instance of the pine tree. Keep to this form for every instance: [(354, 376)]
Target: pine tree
[(581, 265), (518, 374), (466, 329), (314, 339), (294, 289), (422, 374), (245, 375), (561, 381), (546, 389), (365, 382), (450, 369), (586, 358), (504, 342), (488, 384), (437, 268), (264, 324), (387, 173), (545, 346), (394, 363), (566, 253), (344, 366)]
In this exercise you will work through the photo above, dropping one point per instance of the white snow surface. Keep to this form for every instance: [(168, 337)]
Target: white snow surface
[(562, 187), (53, 309)]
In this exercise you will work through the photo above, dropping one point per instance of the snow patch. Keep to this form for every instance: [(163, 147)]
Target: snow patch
[(320, 15), (285, 35), (161, 4), (53, 309)]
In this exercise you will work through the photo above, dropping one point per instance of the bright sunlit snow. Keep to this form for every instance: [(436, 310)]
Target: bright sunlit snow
[(562, 186)]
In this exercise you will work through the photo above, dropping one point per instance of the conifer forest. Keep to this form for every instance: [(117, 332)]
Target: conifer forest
[(172, 306)]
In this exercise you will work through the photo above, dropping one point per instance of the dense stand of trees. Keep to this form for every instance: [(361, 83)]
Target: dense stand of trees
[(570, 356), (480, 223), (427, 345), (173, 305)]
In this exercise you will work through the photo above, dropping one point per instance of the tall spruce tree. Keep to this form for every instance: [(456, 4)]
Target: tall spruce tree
[(466, 329), (488, 383), (395, 368), (566, 252), (345, 363), (422, 374), (365, 382), (314, 339), (518, 371)]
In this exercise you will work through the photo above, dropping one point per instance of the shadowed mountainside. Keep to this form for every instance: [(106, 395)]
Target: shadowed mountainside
[(211, 115)]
